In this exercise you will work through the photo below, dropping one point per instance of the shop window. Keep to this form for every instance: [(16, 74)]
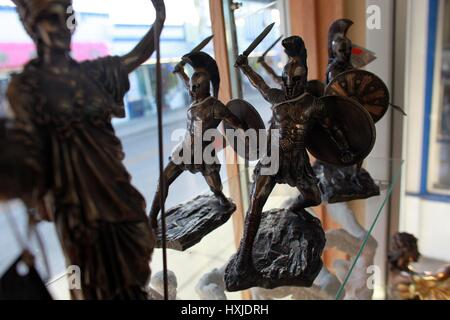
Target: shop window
[(439, 153)]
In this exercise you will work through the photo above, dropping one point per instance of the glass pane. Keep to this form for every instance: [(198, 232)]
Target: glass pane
[(440, 144), (350, 270), (360, 273), (353, 274)]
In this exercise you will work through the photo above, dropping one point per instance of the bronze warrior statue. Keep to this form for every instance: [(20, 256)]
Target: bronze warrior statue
[(295, 113), (407, 284), (344, 78), (339, 49), (205, 113), (61, 145)]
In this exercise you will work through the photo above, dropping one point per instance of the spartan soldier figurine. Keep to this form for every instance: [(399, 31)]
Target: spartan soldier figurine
[(205, 113), (61, 147), (344, 78), (295, 114), (339, 49)]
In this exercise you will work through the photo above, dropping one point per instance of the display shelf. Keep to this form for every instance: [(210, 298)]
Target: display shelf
[(357, 240)]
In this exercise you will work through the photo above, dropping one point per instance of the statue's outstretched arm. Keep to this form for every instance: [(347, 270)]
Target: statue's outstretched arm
[(145, 48), (255, 79), (179, 70)]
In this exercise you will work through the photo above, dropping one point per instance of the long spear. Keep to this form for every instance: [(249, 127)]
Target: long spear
[(161, 158)]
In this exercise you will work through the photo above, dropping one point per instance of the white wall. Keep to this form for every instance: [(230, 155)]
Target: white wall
[(381, 42), (429, 221)]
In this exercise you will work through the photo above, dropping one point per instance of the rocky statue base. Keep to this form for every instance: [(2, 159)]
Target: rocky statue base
[(343, 184), (188, 223), (287, 252)]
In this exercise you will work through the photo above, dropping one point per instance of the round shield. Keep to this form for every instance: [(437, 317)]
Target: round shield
[(363, 86), (316, 88), (353, 121), (255, 131)]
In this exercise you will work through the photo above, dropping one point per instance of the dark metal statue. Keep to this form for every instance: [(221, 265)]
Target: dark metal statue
[(339, 48), (342, 184), (408, 284), (205, 113), (296, 114), (61, 149)]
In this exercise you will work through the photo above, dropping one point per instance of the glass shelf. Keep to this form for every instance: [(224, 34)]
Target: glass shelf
[(346, 274), (355, 275)]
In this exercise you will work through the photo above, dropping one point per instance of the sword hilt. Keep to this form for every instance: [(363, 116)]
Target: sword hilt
[(178, 67)]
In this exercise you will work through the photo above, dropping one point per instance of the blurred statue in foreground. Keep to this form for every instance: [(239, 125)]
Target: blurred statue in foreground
[(60, 154)]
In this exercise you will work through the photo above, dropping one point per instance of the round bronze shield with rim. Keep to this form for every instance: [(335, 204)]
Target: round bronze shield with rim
[(363, 86), (353, 121), (253, 126)]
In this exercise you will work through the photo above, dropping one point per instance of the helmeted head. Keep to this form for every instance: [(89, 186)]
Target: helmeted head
[(49, 22), (403, 251), (339, 45), (200, 84), (295, 73), (206, 73)]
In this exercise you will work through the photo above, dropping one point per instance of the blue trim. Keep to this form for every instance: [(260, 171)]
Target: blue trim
[(7, 8), (431, 63), (93, 14), (137, 39), (132, 26), (430, 197), (144, 26)]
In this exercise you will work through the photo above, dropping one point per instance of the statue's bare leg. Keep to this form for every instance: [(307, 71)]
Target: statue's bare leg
[(215, 184), (262, 188), (309, 197), (240, 271), (171, 173)]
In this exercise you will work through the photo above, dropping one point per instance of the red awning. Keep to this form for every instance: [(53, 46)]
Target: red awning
[(15, 55)]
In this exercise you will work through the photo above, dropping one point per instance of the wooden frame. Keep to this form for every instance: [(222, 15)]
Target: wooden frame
[(225, 94)]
